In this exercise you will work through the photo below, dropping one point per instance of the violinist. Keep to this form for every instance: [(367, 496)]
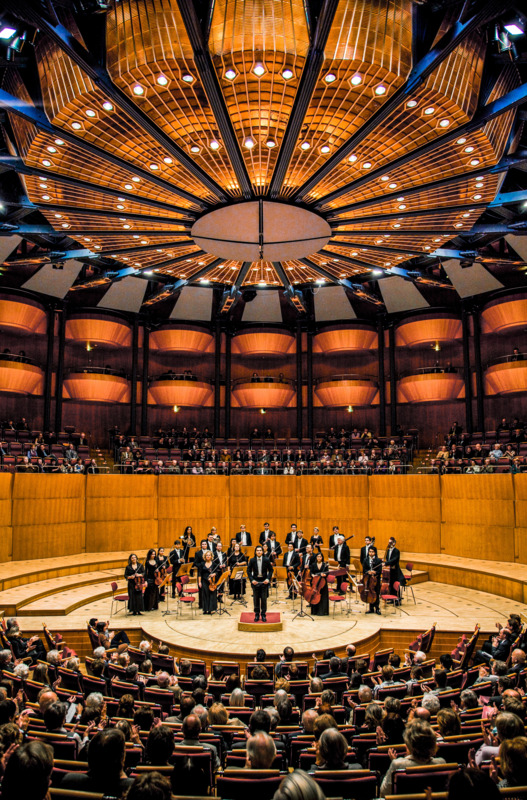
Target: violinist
[(291, 560), (199, 559), (237, 558), (211, 542), (341, 554), (307, 558), (368, 542), (266, 533), (135, 575), (316, 540), (392, 558), (208, 570), (151, 598), (319, 572), (176, 558), (275, 548), (188, 540), (371, 569), (162, 563)]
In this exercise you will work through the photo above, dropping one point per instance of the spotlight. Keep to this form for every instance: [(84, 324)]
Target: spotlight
[(350, 409), (176, 409), (7, 33), (263, 411)]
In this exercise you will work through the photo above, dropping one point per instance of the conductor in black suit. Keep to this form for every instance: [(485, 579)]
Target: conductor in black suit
[(391, 559), (368, 542), (373, 564), (244, 537), (260, 573), (341, 554)]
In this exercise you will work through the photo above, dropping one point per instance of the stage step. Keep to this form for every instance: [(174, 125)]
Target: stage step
[(64, 602), (15, 599)]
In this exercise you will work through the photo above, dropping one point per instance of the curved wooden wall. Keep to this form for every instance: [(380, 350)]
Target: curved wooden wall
[(473, 516)]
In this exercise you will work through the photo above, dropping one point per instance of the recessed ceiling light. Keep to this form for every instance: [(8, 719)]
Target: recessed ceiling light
[(214, 144), (204, 280), (46, 197), (90, 112), (86, 239), (352, 158), (444, 123), (259, 70), (466, 215), (65, 225), (195, 149), (397, 225), (96, 246), (59, 216), (461, 141), (262, 283), (148, 272), (385, 178), (136, 235), (325, 148), (402, 206), (144, 241), (107, 106), (356, 80), (380, 89), (153, 167), (355, 253), (305, 146), (458, 225), (477, 197), (46, 162), (122, 219), (200, 263), (249, 142), (377, 272), (128, 186), (59, 141), (469, 149), (127, 227), (230, 74), (51, 149), (187, 78), (411, 103), (136, 179), (76, 126), (43, 185), (7, 33), (270, 143), (287, 74), (474, 162), (437, 240), (366, 165), (400, 199), (162, 80), (392, 186), (479, 185), (138, 89), (330, 77), (429, 110), (167, 160)]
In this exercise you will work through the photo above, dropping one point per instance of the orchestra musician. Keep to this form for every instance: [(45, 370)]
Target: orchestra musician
[(299, 542), (274, 546), (392, 558), (266, 533), (260, 573), (316, 540), (320, 568), (244, 537), (341, 554), (151, 598), (162, 563), (208, 569), (237, 558), (176, 558), (188, 540), (199, 559), (230, 549), (368, 542), (291, 560), (333, 539), (372, 564), (135, 574), (221, 557), (307, 557), (211, 544), (291, 536)]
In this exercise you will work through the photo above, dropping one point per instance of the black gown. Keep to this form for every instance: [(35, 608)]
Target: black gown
[(151, 598), (320, 609), (135, 595), (237, 588), (209, 599)]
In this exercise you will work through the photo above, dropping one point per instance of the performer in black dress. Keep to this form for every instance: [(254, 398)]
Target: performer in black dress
[(319, 567), (316, 540), (135, 575), (162, 565), (176, 558), (208, 570), (151, 592), (188, 540), (237, 558)]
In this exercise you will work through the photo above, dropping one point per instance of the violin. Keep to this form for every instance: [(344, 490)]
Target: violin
[(161, 573), (139, 581), (215, 579)]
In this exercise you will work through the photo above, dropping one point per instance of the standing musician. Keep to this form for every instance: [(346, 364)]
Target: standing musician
[(372, 565), (368, 542), (333, 539), (211, 544), (151, 598), (188, 540), (260, 573), (266, 533), (316, 540), (135, 575), (162, 563), (307, 557), (291, 560), (237, 558), (221, 558), (176, 558), (208, 570), (391, 559), (299, 542), (244, 537), (319, 569), (341, 554), (274, 546), (199, 559), (230, 549), (291, 536)]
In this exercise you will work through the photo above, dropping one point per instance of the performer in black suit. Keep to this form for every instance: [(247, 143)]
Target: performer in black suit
[(260, 573), (391, 559), (341, 554), (176, 558), (373, 564), (273, 545), (266, 533), (244, 537), (199, 560), (291, 560), (307, 558), (368, 542), (299, 542), (333, 539), (291, 536)]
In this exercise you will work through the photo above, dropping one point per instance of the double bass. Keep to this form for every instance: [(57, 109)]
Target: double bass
[(312, 586)]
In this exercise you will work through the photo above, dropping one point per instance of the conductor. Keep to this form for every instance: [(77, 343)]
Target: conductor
[(260, 573)]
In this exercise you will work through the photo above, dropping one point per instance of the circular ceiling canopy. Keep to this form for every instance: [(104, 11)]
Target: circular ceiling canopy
[(261, 230)]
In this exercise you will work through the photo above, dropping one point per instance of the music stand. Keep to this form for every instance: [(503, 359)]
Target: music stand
[(301, 613), (239, 573), (280, 576), (164, 583), (220, 583)]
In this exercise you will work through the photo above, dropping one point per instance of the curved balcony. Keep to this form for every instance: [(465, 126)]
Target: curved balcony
[(263, 342), (430, 385), (21, 315), (182, 339), (337, 339), (263, 392), (98, 329), (96, 385), (180, 389), (505, 316), (506, 375), (19, 375), (426, 330), (346, 390)]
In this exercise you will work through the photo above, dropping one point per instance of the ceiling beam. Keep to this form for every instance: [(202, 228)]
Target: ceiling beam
[(147, 247), (293, 296), (420, 72), (306, 87), (31, 114), (231, 296), (146, 218), (509, 101), (481, 229), (424, 212), (211, 86), (379, 247), (23, 10)]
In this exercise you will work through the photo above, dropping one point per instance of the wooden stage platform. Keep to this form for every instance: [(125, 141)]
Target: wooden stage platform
[(455, 593)]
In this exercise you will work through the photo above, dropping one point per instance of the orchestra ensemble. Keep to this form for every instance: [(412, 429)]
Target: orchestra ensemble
[(220, 573)]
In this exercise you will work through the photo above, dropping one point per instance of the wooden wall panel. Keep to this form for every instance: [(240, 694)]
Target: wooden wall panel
[(47, 541), (407, 507), (520, 511), (257, 499), (327, 500), (121, 509), (200, 501), (6, 530)]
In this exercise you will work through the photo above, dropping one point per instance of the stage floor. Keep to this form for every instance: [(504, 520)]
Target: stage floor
[(455, 609)]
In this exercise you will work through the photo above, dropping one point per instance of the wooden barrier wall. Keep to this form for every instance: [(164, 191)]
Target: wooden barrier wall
[(475, 516)]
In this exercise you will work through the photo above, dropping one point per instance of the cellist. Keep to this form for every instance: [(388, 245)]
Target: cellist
[(319, 573), (371, 578)]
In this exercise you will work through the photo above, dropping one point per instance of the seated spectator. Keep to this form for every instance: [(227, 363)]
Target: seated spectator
[(448, 722), (421, 743), (332, 752), (150, 786), (191, 730), (261, 751), (513, 762), (298, 785), (106, 753), (28, 772), (508, 726), (159, 745), (471, 784)]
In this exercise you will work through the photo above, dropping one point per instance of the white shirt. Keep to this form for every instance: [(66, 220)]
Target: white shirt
[(288, 558), (260, 568), (339, 550)]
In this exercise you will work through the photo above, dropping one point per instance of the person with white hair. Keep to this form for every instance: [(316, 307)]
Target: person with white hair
[(431, 703), (261, 751), (53, 657), (22, 671)]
